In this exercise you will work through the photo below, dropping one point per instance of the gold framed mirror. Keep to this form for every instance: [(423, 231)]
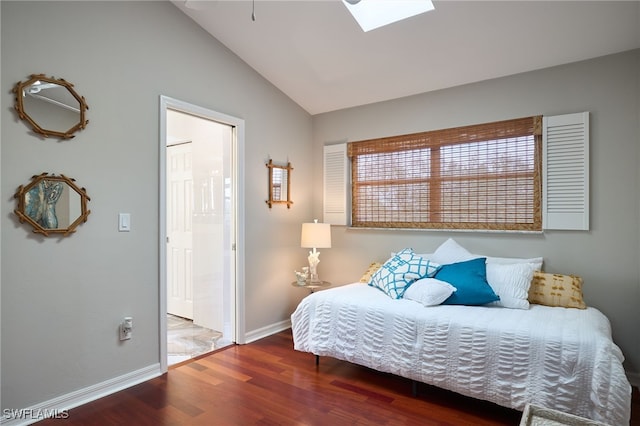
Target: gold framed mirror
[(279, 184), (51, 106), (52, 204)]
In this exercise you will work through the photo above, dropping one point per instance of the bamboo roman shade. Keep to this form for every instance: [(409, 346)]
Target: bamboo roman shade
[(485, 176)]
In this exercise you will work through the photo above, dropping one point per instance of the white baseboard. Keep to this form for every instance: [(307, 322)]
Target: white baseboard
[(60, 405), (258, 334)]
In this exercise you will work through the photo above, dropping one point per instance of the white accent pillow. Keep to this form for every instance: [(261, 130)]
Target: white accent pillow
[(537, 261), (451, 252), (429, 291), (511, 282)]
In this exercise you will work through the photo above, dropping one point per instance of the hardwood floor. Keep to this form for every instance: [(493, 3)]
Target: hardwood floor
[(268, 383)]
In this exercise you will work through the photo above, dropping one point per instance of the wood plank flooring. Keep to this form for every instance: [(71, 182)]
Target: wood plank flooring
[(268, 383)]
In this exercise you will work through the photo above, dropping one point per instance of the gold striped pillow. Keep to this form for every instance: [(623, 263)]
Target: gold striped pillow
[(372, 269), (556, 290)]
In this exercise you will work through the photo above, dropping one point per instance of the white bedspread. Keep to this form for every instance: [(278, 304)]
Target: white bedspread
[(557, 358)]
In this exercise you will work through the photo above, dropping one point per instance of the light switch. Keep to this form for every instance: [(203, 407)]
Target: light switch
[(124, 222)]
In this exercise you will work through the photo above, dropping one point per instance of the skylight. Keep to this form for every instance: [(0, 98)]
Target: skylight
[(372, 14)]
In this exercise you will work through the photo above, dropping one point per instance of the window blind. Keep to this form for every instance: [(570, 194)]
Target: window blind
[(485, 176)]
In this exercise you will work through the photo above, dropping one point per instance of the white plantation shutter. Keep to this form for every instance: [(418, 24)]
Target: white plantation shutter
[(565, 157), (336, 180)]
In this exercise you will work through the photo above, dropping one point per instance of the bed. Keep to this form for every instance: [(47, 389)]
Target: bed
[(554, 357)]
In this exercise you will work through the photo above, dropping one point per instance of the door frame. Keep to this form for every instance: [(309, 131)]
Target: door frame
[(237, 234)]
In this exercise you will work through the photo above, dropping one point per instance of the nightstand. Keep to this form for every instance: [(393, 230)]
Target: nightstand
[(312, 285)]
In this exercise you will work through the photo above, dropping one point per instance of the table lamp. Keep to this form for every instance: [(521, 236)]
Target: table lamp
[(315, 235)]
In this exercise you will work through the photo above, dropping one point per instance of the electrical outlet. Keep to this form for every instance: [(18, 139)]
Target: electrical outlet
[(126, 328)]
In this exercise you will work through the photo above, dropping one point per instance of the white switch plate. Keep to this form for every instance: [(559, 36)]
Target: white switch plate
[(124, 222)]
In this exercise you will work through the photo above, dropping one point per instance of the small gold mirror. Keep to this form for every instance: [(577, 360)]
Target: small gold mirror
[(279, 184), (51, 106), (52, 204)]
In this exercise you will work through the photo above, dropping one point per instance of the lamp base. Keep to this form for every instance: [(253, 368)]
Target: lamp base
[(314, 259)]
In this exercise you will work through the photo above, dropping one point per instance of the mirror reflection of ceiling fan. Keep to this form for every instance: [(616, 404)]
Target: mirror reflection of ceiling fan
[(38, 88)]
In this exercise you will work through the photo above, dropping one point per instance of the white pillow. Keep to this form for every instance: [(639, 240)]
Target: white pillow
[(451, 252), (511, 282), (537, 261), (429, 291), (426, 255)]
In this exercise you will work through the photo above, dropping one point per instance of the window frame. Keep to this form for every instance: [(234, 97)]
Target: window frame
[(433, 141)]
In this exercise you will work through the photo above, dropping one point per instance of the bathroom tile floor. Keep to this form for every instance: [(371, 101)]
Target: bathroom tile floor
[(186, 340)]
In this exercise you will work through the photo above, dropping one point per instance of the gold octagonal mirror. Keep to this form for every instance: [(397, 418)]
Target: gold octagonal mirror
[(51, 106), (52, 204)]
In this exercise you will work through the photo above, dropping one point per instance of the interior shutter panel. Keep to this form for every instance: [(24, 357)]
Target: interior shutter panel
[(335, 184), (565, 165)]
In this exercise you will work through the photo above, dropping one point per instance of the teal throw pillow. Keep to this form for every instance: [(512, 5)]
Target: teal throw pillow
[(470, 280), (400, 271)]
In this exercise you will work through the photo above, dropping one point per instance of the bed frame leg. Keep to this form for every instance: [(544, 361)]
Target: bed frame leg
[(317, 359), (414, 388)]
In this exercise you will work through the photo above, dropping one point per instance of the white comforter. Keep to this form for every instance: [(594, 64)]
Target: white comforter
[(551, 357)]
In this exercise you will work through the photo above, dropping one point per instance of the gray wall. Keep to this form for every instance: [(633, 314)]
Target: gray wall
[(62, 299), (607, 256)]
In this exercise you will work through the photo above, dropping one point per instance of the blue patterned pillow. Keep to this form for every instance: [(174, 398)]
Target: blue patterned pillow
[(470, 280), (399, 272)]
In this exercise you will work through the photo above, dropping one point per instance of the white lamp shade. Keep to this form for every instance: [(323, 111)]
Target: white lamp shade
[(315, 235)]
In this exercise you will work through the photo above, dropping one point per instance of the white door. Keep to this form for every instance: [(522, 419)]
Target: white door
[(180, 230)]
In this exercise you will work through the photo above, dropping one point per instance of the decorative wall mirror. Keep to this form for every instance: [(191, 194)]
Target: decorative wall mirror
[(51, 106), (52, 204), (279, 184)]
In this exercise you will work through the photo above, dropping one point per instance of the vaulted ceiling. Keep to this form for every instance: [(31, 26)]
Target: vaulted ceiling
[(316, 53)]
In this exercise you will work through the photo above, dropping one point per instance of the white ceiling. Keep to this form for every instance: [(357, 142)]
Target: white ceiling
[(316, 53)]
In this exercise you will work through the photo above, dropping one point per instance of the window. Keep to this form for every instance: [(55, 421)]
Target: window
[(375, 14), (485, 176)]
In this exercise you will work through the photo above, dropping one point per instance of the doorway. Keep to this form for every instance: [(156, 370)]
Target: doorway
[(199, 226)]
